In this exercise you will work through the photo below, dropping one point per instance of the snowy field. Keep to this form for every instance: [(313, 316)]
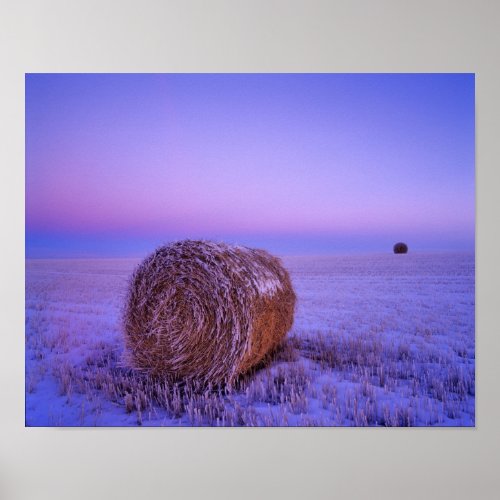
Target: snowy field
[(378, 340)]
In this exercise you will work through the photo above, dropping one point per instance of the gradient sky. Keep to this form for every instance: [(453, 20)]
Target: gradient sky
[(117, 164)]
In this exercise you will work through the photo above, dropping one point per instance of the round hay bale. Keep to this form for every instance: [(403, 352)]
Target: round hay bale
[(400, 248), (204, 311)]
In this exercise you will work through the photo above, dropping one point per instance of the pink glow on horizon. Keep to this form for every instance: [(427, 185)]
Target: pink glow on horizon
[(196, 155)]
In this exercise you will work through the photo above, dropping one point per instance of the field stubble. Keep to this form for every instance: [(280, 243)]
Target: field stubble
[(378, 340)]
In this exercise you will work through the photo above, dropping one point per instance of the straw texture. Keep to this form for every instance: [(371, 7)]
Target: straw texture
[(204, 311)]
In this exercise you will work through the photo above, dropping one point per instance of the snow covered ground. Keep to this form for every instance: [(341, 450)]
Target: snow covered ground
[(377, 340)]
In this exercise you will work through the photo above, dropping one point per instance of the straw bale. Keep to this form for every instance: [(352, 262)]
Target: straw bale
[(204, 311)]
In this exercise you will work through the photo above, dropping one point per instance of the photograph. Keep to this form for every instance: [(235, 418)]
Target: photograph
[(250, 250)]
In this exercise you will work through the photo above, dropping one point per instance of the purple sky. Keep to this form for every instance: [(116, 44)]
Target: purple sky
[(117, 164)]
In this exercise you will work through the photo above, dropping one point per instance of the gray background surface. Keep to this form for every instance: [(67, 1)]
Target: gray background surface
[(248, 36)]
